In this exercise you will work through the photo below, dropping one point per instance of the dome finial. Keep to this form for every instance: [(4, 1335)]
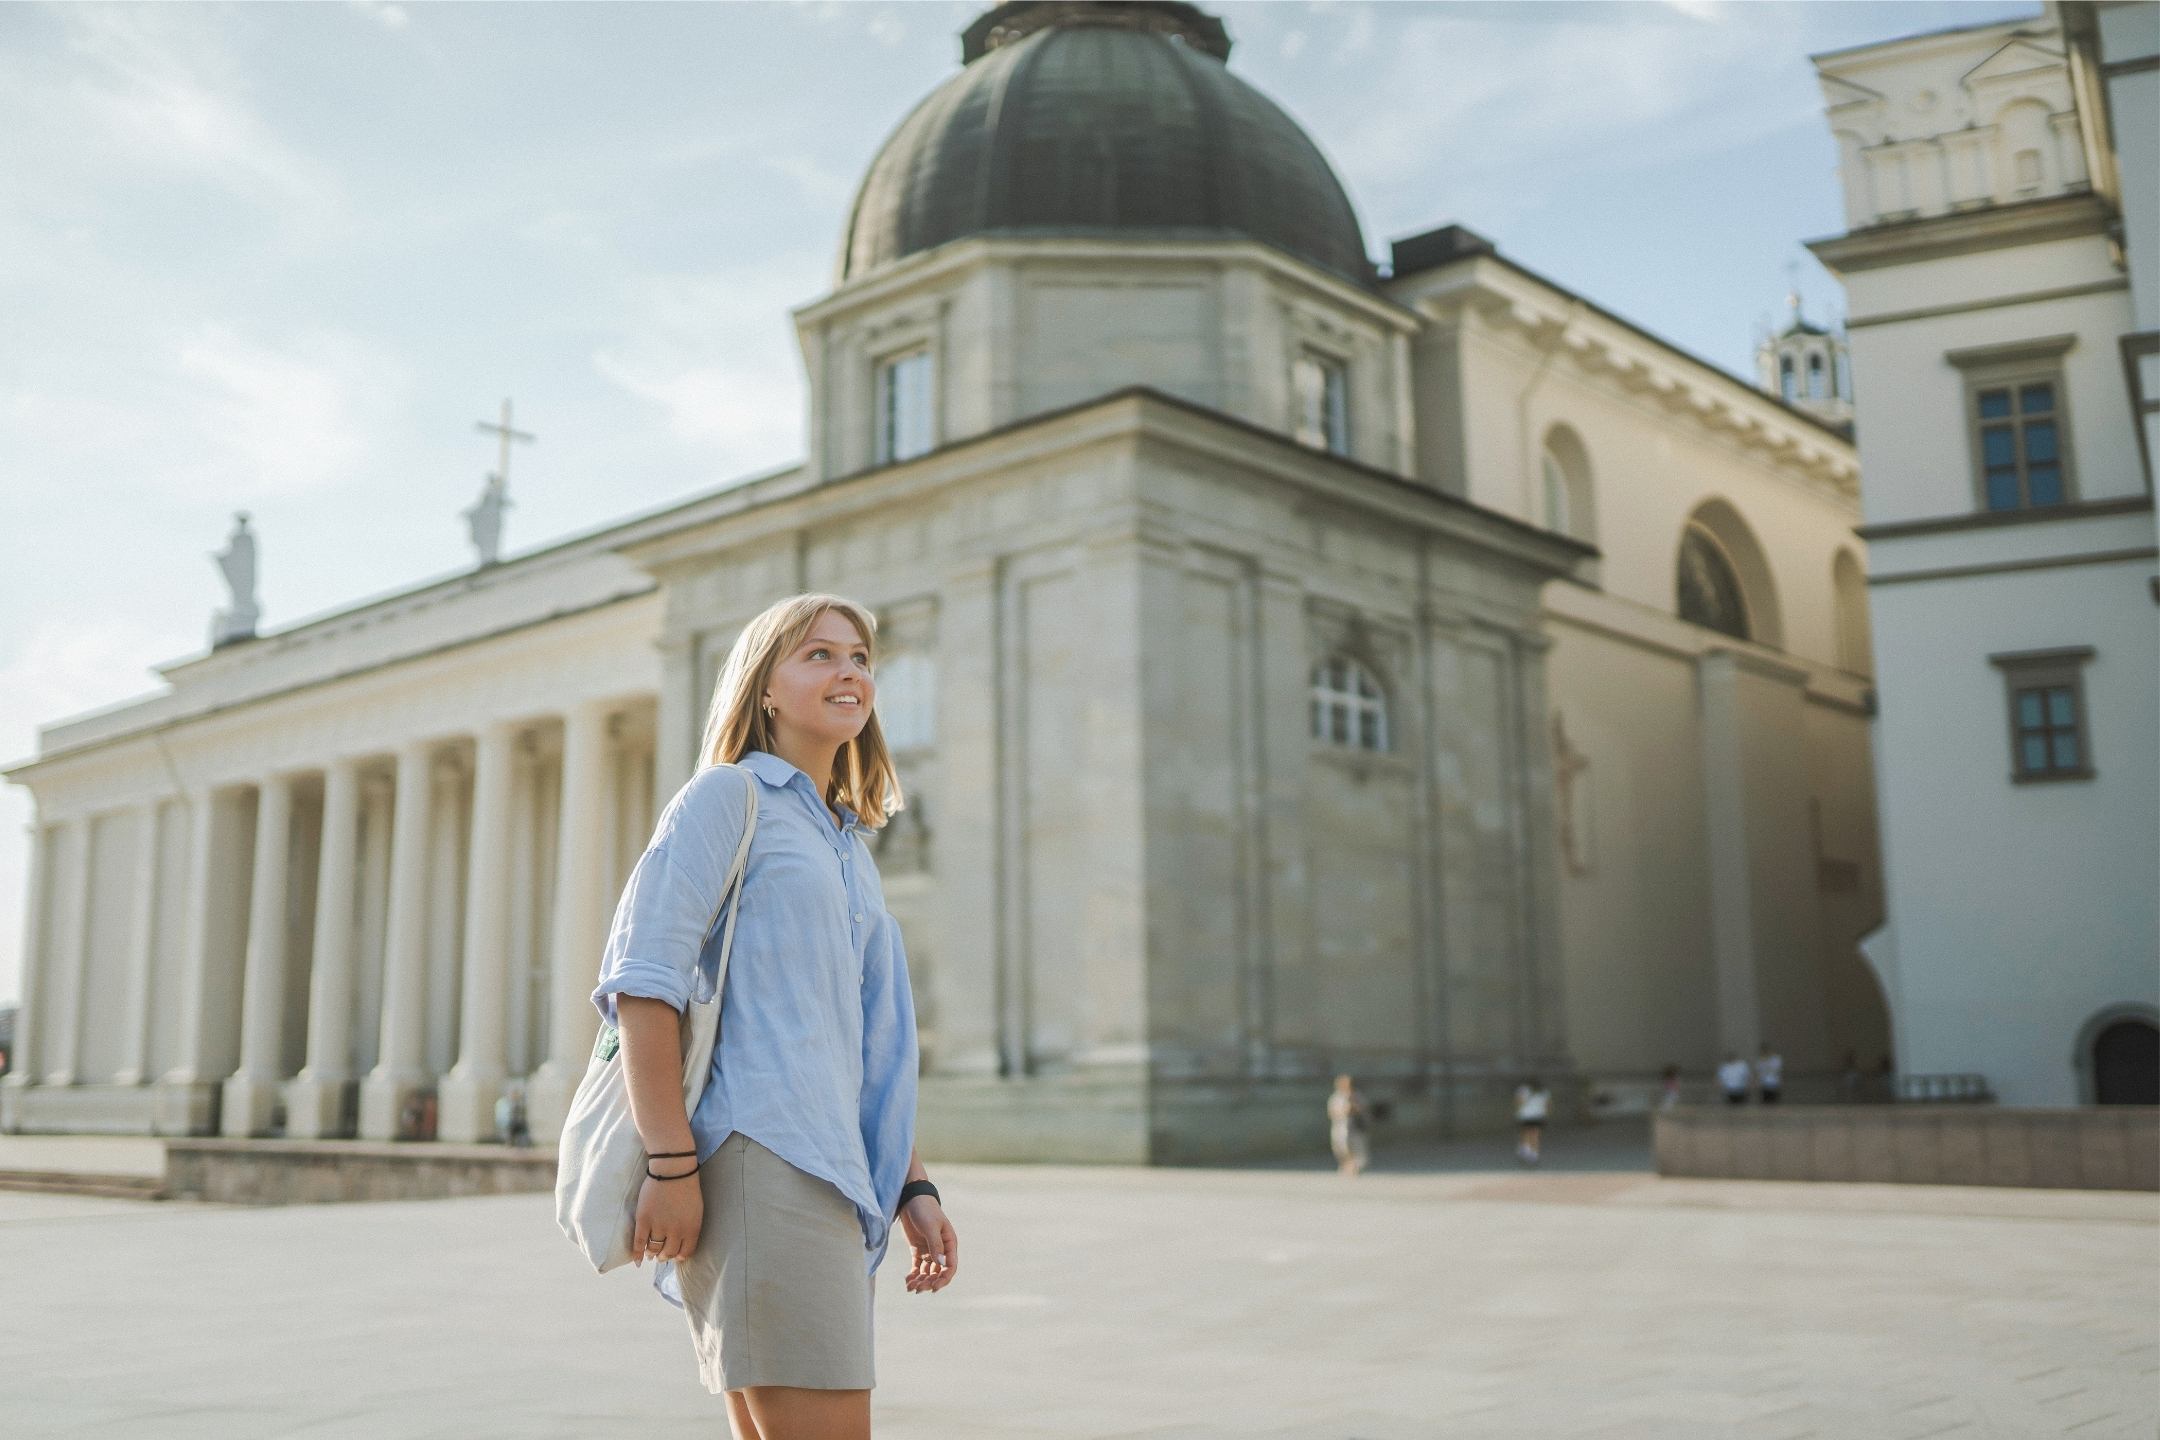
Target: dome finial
[(1016, 19)]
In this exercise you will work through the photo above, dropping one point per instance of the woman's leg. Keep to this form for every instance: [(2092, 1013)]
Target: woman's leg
[(740, 1425), (786, 1412)]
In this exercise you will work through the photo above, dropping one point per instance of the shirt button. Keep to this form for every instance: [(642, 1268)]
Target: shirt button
[(858, 917)]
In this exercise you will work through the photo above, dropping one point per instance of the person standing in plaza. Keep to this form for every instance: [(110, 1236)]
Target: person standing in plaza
[(1770, 1074), (801, 1149), (1349, 1125), (1734, 1078), (1532, 1100)]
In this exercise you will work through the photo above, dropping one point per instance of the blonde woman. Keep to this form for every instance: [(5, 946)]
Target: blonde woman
[(801, 1153)]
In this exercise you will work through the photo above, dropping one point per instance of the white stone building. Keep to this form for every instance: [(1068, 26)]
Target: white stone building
[(2005, 319), (1291, 668)]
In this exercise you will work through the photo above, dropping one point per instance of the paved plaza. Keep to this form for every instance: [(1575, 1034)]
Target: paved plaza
[(1442, 1295)]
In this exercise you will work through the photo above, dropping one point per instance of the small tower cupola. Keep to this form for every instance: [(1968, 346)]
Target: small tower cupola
[(1807, 366)]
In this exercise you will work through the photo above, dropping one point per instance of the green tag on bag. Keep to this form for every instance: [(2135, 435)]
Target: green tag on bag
[(610, 1042)]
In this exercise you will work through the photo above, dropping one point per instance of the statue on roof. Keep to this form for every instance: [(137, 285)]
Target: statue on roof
[(237, 562), (484, 518)]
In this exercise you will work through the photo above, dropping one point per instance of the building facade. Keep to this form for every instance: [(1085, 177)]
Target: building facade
[(2001, 212), (1292, 667)]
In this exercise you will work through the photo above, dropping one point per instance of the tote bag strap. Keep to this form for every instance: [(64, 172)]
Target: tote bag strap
[(738, 870)]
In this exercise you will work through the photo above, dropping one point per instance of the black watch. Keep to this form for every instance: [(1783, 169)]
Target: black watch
[(917, 1187)]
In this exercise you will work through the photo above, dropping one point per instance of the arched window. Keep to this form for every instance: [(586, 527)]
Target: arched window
[(1348, 706), (1710, 593), (1570, 502), (1814, 377), (1844, 375), (907, 700), (1787, 387)]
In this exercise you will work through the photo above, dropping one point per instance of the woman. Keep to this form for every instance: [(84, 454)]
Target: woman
[(801, 1150), (1348, 1124), (1532, 1100)]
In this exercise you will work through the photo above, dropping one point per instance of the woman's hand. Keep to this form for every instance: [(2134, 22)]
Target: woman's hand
[(936, 1248), (669, 1212)]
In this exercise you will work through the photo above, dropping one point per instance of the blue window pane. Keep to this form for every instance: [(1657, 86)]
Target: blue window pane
[(1340, 724), (2036, 753), (2002, 490), (2040, 440), (2036, 399), (2062, 710), (1319, 717), (2066, 750), (1998, 446), (2029, 711), (1369, 730), (2045, 482), (1994, 404)]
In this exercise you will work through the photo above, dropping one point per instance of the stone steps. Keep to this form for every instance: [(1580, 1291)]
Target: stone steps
[(75, 1182)]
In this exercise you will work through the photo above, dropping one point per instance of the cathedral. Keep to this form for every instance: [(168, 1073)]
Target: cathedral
[(1295, 664)]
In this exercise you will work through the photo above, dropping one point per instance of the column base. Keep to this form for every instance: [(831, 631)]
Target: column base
[(250, 1106), (547, 1101), (321, 1108), (12, 1087), (395, 1107), (467, 1109), (185, 1107)]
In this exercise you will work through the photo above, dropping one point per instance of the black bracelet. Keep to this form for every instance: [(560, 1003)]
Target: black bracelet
[(684, 1176), (918, 1187)]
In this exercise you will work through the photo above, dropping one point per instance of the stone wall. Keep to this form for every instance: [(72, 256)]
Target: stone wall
[(2116, 1147)]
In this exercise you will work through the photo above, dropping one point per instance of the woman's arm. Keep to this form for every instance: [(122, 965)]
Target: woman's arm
[(652, 1072)]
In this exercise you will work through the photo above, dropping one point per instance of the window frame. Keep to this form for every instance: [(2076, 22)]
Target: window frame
[(1331, 365), (1322, 700), (884, 449), (2043, 671), (1696, 530), (2012, 367)]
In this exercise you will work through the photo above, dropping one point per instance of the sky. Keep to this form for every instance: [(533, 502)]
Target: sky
[(282, 258)]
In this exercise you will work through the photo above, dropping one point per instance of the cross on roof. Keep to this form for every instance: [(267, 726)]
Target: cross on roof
[(503, 429)]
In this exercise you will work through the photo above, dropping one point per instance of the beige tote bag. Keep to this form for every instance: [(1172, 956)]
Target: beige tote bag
[(600, 1162)]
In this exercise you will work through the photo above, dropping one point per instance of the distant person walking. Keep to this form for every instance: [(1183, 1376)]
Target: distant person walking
[(1733, 1077), (1532, 1100), (1348, 1125), (1770, 1074), (1669, 1091)]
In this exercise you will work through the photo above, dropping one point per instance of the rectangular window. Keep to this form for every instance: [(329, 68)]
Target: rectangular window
[(2016, 423), (2048, 732), (904, 386), (1322, 386)]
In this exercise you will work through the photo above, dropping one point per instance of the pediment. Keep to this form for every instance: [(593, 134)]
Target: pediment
[(2016, 56), (1842, 94)]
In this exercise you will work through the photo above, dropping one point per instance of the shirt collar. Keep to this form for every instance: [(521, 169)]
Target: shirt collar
[(780, 773)]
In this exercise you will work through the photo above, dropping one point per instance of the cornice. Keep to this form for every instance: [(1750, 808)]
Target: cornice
[(1965, 232), (1682, 387)]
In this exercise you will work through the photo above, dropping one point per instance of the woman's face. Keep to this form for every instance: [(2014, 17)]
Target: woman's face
[(811, 686)]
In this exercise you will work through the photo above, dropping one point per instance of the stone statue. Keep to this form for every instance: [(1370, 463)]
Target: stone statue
[(484, 519), (237, 561)]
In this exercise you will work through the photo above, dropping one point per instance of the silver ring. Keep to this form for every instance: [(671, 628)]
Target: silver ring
[(655, 1244)]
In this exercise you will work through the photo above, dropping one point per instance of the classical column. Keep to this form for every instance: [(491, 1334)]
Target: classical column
[(470, 1089), (211, 938), (680, 721), (63, 978), (142, 946), (251, 1092), (580, 917), (398, 1075), (23, 1067), (318, 1099), (1732, 920)]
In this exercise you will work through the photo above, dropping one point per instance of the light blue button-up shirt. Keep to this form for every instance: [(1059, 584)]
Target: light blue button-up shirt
[(816, 1058)]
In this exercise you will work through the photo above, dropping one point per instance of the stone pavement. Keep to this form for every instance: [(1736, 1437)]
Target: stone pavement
[(1444, 1294)]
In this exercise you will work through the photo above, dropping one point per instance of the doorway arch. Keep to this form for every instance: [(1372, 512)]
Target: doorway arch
[(2118, 1057)]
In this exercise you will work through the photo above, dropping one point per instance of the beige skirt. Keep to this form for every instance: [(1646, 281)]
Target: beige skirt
[(777, 1291)]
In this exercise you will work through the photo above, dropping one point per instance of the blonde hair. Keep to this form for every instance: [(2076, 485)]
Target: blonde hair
[(863, 776)]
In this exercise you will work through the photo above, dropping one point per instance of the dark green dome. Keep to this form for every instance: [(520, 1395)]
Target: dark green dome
[(1094, 119)]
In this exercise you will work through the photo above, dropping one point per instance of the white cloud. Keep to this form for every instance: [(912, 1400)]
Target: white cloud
[(278, 421), (384, 13), (168, 97)]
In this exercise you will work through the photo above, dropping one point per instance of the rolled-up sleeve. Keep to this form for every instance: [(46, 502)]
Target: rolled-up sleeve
[(666, 910), (890, 1062)]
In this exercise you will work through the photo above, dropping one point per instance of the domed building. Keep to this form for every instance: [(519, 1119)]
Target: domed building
[(1295, 665)]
